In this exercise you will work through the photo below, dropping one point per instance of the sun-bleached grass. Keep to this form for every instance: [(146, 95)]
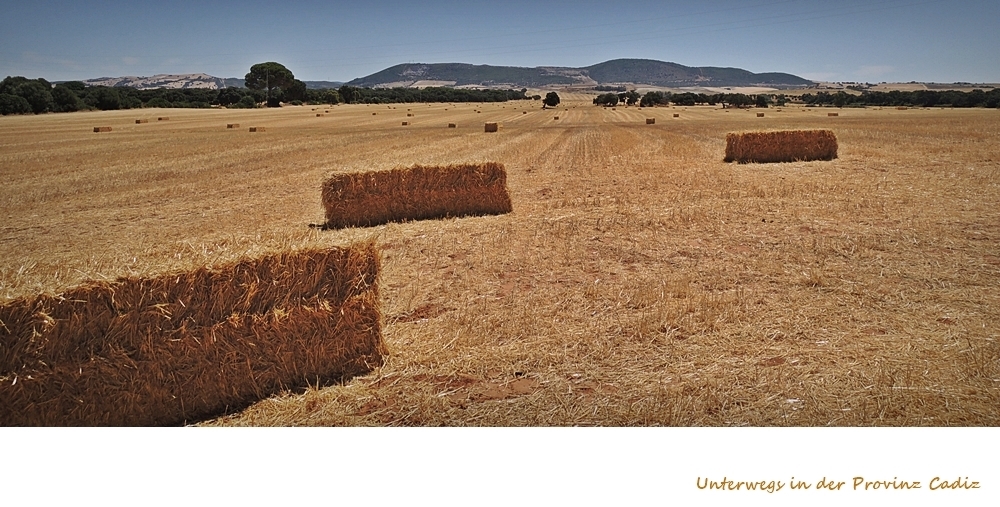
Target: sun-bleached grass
[(640, 280)]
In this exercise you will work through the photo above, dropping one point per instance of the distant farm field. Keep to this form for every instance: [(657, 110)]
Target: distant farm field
[(640, 280)]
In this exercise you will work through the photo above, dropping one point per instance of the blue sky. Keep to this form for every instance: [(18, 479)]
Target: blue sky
[(851, 40)]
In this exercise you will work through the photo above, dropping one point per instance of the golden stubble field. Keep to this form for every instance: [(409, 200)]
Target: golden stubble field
[(640, 280)]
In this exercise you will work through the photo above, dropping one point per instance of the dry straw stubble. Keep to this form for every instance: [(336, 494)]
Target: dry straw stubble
[(183, 347), (415, 193), (781, 146)]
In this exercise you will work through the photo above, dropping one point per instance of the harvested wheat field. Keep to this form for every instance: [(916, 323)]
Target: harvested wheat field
[(639, 280)]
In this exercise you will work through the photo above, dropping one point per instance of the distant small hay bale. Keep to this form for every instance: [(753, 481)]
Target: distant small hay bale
[(327, 111), (232, 125), (492, 127), (452, 125), (406, 123), (760, 115), (141, 121), (163, 118), (409, 114), (373, 114), (650, 121), (186, 346), (257, 129), (677, 115), (102, 129), (319, 114), (833, 114), (781, 146), (524, 112), (415, 193), (614, 108), (555, 118)]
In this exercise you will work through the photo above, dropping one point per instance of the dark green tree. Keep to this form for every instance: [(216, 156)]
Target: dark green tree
[(761, 100), (103, 98), (270, 76), (296, 90), (13, 104), (349, 94), (38, 93), (606, 99), (66, 100), (229, 96), (247, 102), (551, 99)]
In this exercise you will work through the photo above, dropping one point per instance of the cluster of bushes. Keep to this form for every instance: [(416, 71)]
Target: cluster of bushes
[(918, 98), (630, 97), (355, 95), (19, 95), (651, 99)]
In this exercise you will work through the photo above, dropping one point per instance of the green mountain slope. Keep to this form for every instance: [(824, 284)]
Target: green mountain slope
[(629, 70)]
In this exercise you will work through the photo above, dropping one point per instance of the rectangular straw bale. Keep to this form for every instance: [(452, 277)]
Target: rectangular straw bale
[(415, 193), (163, 118), (452, 125), (102, 129), (257, 129), (319, 114), (141, 121), (492, 127), (781, 146), (833, 114), (555, 118), (187, 346), (760, 115), (232, 125), (677, 115), (650, 121), (405, 123)]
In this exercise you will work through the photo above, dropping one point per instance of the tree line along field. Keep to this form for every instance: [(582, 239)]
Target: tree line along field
[(640, 280)]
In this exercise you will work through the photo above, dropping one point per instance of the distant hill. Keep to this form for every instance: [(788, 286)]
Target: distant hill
[(461, 74), (657, 73), (622, 71), (166, 81), (613, 72), (317, 85)]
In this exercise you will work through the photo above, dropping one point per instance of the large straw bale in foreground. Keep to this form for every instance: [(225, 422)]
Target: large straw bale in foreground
[(781, 146), (184, 347), (415, 193)]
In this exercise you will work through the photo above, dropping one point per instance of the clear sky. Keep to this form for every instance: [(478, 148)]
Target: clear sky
[(849, 40)]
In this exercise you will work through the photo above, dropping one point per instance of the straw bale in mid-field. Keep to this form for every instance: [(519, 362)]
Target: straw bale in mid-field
[(184, 347), (102, 129), (232, 125), (781, 146), (650, 121), (491, 127), (415, 193)]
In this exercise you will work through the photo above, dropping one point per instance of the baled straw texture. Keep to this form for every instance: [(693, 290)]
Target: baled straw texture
[(102, 129), (781, 146), (188, 346), (415, 193), (492, 127), (650, 121)]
